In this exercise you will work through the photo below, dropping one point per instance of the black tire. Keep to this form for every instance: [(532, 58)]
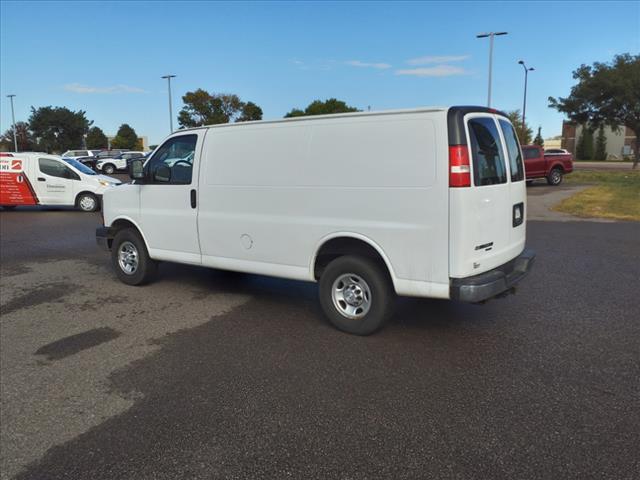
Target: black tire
[(146, 267), (555, 177), (88, 202), (381, 294), (108, 169)]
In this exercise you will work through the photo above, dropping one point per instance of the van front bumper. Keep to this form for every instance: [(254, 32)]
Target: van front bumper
[(494, 283), (104, 236)]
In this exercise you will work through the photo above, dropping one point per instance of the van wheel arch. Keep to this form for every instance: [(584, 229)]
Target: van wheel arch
[(345, 245), (122, 224)]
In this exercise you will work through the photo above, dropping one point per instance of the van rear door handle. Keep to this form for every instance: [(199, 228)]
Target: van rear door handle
[(193, 198), (40, 179)]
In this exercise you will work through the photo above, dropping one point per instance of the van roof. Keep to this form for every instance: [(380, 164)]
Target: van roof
[(459, 109), (320, 117)]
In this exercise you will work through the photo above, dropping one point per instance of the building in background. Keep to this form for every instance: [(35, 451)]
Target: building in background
[(620, 144), (555, 142)]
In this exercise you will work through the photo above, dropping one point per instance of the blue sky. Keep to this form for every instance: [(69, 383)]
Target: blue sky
[(107, 57)]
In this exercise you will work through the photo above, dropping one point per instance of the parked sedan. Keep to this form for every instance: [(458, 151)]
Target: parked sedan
[(120, 162), (86, 161)]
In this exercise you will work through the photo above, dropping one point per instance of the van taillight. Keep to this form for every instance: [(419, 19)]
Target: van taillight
[(459, 168)]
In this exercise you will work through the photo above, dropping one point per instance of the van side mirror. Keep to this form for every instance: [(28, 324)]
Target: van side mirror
[(162, 174), (136, 169)]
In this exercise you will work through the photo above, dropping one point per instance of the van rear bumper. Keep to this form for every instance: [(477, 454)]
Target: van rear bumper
[(500, 280)]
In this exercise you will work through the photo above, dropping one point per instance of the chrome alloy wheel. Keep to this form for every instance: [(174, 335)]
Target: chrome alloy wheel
[(87, 203), (128, 258), (556, 176), (351, 296)]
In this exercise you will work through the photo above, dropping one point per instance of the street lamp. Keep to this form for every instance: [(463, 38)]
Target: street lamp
[(13, 119), (524, 103), (490, 35), (169, 77)]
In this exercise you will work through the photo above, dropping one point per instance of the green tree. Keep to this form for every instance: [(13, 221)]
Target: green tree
[(295, 112), (516, 119), (539, 140), (126, 138), (250, 111), (318, 107), (57, 129), (584, 147), (204, 108), (25, 139), (96, 138), (606, 94), (601, 145)]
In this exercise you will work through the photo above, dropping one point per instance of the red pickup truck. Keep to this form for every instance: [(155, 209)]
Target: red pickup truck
[(551, 166)]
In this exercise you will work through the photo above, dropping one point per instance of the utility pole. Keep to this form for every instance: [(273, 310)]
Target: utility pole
[(490, 35), (524, 102), (169, 77), (13, 119)]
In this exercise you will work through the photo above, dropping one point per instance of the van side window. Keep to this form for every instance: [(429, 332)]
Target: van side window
[(515, 158), (53, 168), (486, 150), (172, 162)]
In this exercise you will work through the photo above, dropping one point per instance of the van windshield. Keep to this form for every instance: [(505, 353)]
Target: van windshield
[(79, 166), (486, 150)]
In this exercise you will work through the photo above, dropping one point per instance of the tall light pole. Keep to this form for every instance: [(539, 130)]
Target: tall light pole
[(524, 102), (13, 119), (490, 35), (169, 77)]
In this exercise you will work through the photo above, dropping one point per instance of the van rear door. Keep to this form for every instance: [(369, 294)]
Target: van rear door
[(487, 207)]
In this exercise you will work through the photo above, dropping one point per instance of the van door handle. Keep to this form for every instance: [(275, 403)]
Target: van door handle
[(40, 179), (193, 198)]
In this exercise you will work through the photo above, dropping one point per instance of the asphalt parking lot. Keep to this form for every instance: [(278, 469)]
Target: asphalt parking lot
[(207, 374)]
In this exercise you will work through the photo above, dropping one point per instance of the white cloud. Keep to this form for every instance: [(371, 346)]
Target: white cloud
[(79, 88), (358, 63), (437, 59), (436, 71)]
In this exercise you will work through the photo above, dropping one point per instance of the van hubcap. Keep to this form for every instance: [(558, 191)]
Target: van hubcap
[(351, 296), (128, 258), (87, 203)]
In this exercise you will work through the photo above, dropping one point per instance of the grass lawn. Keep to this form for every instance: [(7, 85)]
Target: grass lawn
[(614, 195)]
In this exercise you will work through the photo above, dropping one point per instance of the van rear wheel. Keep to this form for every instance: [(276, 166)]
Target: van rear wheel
[(356, 294), (131, 259)]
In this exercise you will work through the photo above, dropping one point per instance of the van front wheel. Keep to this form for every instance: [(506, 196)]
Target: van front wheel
[(130, 258), (88, 202), (356, 294)]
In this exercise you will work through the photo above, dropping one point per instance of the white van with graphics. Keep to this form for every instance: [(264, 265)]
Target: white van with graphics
[(42, 179), (428, 202)]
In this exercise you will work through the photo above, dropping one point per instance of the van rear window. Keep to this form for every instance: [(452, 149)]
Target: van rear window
[(486, 151), (515, 158)]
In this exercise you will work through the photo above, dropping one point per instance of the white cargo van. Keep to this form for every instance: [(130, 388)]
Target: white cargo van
[(428, 202), (42, 179)]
